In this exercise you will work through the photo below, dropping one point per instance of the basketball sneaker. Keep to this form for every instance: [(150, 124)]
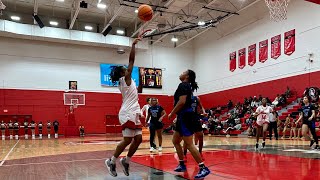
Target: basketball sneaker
[(311, 143), (317, 147), (257, 146), (111, 167), (263, 144), (180, 168), (160, 149), (152, 149), (203, 172), (125, 166)]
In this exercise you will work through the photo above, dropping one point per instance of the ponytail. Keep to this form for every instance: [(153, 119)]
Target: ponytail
[(192, 80)]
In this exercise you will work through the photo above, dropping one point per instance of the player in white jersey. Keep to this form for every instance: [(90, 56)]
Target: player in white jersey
[(129, 115), (263, 115)]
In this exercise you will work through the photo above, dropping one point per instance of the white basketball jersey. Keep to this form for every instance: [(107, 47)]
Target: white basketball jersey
[(130, 103), (264, 113)]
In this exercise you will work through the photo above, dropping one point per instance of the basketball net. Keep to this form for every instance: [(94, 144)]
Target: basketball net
[(278, 9)]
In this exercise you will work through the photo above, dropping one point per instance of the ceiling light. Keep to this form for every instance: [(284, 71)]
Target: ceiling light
[(120, 31), (101, 6), (53, 23), (60, 0), (174, 39), (201, 23), (88, 28), (136, 11), (15, 18)]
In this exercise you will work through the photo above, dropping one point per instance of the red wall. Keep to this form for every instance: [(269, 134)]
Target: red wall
[(48, 105), (268, 89)]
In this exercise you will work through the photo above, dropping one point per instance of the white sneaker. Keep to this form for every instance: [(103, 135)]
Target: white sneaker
[(160, 149), (152, 149)]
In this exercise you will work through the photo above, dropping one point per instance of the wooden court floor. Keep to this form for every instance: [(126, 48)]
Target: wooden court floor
[(227, 158)]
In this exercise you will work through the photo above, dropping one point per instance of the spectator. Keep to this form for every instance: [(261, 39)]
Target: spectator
[(288, 92), (260, 98), (276, 100), (230, 104), (246, 102), (287, 126), (81, 130), (273, 124)]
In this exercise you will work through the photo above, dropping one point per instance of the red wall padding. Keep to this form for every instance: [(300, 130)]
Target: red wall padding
[(267, 89), (314, 1), (48, 105)]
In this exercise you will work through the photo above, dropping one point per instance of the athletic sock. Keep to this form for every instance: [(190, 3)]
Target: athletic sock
[(113, 159), (181, 162), (128, 159), (185, 152), (201, 165)]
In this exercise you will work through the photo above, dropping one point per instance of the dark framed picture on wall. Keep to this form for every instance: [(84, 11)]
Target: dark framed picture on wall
[(151, 77), (73, 85)]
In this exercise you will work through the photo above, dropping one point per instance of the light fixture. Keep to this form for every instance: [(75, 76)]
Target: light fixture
[(101, 6), (201, 23), (174, 39), (136, 11), (15, 18), (60, 0), (89, 28), (120, 31), (53, 23)]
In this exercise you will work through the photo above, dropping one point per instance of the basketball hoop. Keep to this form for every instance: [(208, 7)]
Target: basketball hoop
[(278, 9)]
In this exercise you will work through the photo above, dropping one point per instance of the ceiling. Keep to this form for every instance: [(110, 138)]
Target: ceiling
[(173, 14)]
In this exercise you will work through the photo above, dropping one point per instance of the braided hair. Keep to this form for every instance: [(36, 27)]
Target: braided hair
[(115, 74), (192, 80)]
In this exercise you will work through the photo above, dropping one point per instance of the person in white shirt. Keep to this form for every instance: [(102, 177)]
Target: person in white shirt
[(144, 110), (129, 114), (263, 115)]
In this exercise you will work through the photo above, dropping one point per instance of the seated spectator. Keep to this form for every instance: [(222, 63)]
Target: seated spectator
[(287, 126), (81, 130), (288, 92), (276, 100), (282, 100), (250, 123), (230, 104), (260, 98), (246, 102), (268, 101)]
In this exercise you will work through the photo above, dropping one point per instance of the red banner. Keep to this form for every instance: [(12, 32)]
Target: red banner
[(263, 51), (290, 42), (252, 52), (242, 58), (276, 47), (233, 61)]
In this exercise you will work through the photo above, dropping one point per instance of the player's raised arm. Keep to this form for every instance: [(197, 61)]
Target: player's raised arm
[(131, 61)]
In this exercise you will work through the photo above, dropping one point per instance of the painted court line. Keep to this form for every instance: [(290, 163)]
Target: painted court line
[(5, 158), (55, 162)]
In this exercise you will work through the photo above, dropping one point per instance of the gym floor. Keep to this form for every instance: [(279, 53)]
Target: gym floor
[(227, 158)]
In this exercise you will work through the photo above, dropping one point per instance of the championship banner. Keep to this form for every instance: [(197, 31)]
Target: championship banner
[(233, 61), (242, 58), (263, 51), (290, 42), (151, 77), (276, 47), (252, 52)]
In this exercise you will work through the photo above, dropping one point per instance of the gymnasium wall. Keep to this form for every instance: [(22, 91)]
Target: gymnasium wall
[(252, 26), (35, 74)]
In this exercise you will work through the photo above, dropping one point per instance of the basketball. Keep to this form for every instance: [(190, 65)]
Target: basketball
[(145, 12)]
